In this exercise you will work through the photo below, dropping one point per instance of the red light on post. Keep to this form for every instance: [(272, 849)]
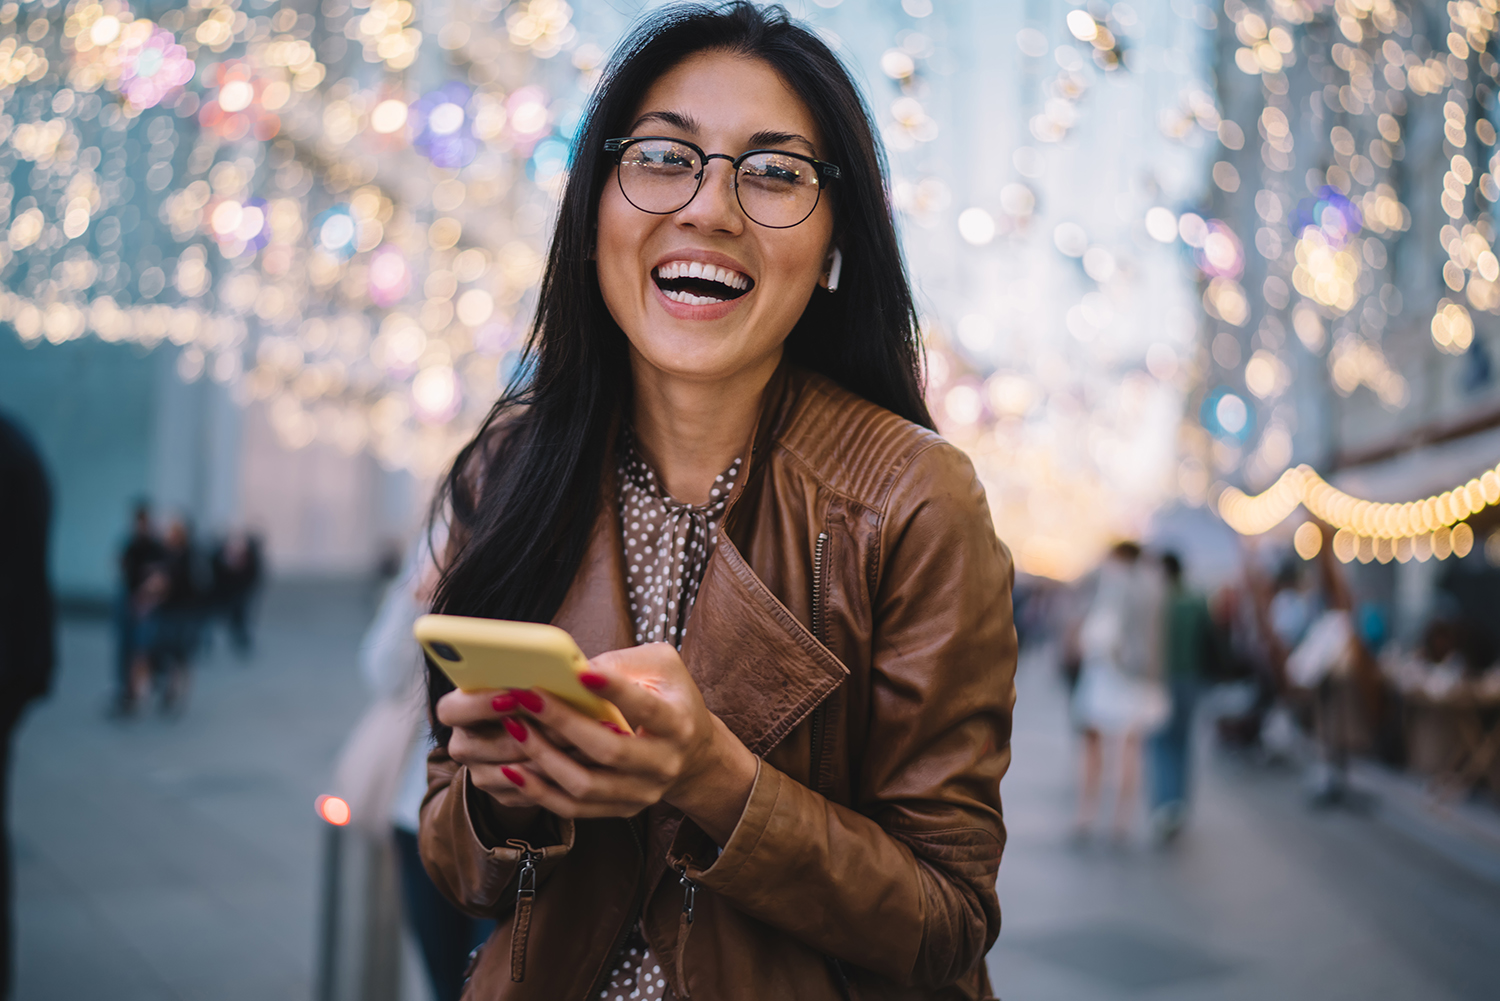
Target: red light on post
[(333, 810)]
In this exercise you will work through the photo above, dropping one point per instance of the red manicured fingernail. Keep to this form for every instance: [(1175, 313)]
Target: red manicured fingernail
[(613, 726), (516, 729), (503, 703), (593, 682), (529, 700), (513, 775)]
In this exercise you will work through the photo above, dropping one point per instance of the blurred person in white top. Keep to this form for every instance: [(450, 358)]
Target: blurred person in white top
[(1121, 696), (393, 667)]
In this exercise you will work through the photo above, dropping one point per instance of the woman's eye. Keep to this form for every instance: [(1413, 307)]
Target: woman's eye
[(773, 173), (666, 162)]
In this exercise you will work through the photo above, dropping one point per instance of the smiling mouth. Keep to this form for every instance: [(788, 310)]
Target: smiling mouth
[(696, 284)]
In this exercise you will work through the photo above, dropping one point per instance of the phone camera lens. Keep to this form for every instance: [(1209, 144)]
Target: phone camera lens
[(444, 651)]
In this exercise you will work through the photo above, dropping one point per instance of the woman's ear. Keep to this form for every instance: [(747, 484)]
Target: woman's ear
[(831, 269)]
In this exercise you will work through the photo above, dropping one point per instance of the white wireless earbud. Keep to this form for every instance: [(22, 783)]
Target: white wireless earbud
[(833, 270)]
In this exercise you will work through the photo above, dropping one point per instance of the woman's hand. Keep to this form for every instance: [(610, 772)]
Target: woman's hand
[(481, 742), (679, 753)]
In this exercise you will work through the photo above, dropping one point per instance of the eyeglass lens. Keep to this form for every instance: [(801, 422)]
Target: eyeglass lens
[(774, 189)]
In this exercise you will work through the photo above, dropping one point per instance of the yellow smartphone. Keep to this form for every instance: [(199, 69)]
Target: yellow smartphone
[(482, 654)]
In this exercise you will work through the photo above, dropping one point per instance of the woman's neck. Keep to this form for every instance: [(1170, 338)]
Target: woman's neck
[(690, 430)]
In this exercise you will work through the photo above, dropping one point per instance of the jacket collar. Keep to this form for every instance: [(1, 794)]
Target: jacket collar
[(760, 669)]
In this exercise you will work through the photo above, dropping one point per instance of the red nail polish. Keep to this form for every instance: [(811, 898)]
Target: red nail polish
[(593, 682), (613, 726), (516, 729), (513, 775), (529, 700), (503, 703)]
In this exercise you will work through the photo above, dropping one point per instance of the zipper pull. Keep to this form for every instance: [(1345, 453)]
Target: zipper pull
[(689, 894), (526, 879), (521, 930), (684, 926)]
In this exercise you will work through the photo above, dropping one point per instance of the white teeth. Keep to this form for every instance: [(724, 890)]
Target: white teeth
[(687, 298), (707, 272)]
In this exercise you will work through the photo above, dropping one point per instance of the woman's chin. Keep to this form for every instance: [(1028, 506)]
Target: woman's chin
[(694, 353)]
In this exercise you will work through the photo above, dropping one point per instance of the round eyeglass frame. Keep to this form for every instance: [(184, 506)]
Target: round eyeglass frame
[(825, 172)]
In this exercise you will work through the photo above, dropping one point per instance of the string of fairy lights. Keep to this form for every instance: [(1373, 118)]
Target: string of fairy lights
[(335, 208), (338, 208), (1432, 526), (1327, 254)]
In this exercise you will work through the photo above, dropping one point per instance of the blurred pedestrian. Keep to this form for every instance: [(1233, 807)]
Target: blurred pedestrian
[(1296, 605), (26, 624), (1189, 650), (170, 601), (236, 572), (1120, 694), (141, 552)]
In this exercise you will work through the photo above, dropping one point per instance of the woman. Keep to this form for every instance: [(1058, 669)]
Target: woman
[(1120, 693), (719, 478)]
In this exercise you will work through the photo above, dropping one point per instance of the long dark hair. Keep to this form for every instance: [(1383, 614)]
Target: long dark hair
[(524, 493)]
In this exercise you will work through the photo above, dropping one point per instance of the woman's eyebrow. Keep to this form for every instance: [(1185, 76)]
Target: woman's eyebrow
[(766, 138), (671, 118), (763, 139)]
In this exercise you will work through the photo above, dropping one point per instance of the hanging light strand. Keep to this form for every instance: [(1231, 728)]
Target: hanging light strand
[(1254, 515)]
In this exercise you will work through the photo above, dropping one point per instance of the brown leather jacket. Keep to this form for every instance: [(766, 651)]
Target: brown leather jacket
[(854, 629)]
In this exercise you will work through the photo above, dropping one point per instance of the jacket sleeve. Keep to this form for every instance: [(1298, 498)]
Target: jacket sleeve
[(471, 846), (904, 883)]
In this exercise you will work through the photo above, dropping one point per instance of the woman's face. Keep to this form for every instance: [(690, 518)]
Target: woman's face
[(725, 104)]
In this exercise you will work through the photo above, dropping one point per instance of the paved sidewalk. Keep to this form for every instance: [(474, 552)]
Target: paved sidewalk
[(177, 860), (1263, 898)]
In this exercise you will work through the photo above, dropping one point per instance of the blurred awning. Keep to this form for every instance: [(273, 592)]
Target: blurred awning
[(1422, 468)]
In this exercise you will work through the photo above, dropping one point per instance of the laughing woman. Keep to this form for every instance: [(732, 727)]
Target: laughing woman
[(719, 476)]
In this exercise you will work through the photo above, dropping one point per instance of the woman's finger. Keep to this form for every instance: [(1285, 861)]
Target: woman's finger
[(535, 786), (487, 743), (565, 727), (460, 708), (502, 787), (518, 702), (640, 682), (578, 779)]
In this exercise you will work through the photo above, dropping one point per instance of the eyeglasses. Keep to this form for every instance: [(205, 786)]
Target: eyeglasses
[(775, 189)]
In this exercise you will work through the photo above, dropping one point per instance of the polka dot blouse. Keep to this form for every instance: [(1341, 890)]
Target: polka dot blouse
[(667, 546), (636, 974)]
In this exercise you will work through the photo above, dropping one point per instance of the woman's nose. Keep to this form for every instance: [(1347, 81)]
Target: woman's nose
[(715, 208)]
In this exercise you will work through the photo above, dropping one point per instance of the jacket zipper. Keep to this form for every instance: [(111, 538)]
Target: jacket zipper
[(521, 930), (817, 585), (817, 629), (684, 925), (819, 716)]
